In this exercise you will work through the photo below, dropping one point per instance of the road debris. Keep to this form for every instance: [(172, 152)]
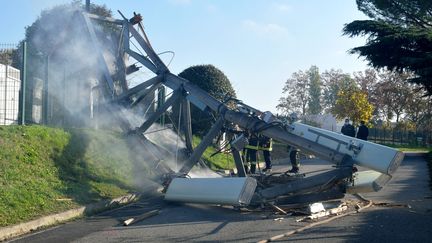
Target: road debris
[(311, 225), (141, 217)]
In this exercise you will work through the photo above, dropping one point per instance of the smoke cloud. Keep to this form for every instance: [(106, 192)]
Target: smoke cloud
[(72, 64)]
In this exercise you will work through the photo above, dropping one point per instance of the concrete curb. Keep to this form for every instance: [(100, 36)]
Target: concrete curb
[(23, 228)]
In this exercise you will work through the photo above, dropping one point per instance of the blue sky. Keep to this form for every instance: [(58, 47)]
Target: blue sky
[(258, 44)]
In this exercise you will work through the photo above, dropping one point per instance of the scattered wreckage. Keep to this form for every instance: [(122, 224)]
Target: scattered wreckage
[(242, 190)]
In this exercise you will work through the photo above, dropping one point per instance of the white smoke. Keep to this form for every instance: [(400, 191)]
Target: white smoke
[(69, 61), (78, 89)]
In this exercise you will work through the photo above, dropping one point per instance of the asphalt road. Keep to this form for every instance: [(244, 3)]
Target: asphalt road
[(204, 223)]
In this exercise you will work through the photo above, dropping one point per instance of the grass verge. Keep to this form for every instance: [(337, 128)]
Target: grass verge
[(49, 170), (409, 148), (217, 161)]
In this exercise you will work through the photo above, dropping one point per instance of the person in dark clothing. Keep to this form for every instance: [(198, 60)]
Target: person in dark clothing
[(363, 131), (295, 163), (348, 129), (257, 143), (266, 145), (252, 153)]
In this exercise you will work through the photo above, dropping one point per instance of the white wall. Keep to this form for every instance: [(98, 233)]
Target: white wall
[(9, 94), (327, 121)]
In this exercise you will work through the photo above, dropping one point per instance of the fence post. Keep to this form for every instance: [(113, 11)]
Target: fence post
[(375, 136), (23, 83)]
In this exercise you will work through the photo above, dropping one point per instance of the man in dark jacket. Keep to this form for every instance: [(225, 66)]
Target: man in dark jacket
[(294, 158), (266, 145), (348, 129), (258, 142), (363, 131), (251, 153)]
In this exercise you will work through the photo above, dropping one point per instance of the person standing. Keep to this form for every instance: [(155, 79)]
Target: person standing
[(266, 145), (363, 131), (348, 129), (252, 153), (294, 159)]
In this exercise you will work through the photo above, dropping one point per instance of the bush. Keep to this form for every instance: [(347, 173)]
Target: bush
[(213, 81)]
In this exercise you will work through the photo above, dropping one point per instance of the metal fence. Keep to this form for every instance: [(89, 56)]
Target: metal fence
[(10, 85), (400, 137)]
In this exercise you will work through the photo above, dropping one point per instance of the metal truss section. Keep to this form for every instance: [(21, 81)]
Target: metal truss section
[(343, 151)]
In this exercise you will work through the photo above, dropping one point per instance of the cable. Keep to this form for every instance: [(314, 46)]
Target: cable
[(159, 130), (178, 135), (154, 99), (172, 57), (223, 147), (138, 49)]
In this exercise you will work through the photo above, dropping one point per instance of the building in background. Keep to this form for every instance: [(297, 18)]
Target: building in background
[(326, 121), (10, 84)]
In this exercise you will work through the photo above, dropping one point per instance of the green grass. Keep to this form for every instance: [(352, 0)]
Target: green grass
[(408, 148), (218, 161), (226, 160), (47, 170)]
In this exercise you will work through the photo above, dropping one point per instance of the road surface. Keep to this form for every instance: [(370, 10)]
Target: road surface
[(204, 223)]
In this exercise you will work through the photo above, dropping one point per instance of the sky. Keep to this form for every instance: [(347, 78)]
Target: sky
[(258, 44)]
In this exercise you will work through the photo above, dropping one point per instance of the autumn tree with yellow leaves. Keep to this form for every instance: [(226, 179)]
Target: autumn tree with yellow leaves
[(354, 104)]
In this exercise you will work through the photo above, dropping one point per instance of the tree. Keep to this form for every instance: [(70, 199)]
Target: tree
[(333, 81), (53, 27), (314, 103), (352, 103), (216, 83), (394, 94), (399, 37), (6, 56), (418, 107), (366, 80), (296, 90)]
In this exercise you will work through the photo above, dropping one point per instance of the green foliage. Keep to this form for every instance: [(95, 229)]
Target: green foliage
[(332, 81), (213, 81), (218, 161), (405, 125), (352, 103), (400, 12), (226, 161), (400, 36), (47, 170)]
